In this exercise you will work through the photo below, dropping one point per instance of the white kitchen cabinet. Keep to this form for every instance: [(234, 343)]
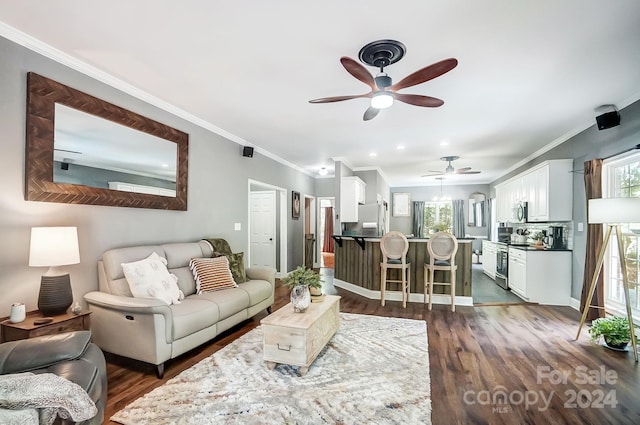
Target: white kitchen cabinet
[(518, 272), (547, 188), (489, 258), (540, 276), (352, 194), (551, 192)]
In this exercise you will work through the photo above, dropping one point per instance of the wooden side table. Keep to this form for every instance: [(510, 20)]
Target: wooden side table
[(26, 329)]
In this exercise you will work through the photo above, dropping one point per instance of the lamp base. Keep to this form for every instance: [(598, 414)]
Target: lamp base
[(55, 295)]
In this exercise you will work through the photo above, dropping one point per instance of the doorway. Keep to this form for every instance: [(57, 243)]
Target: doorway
[(324, 244), (309, 231), (267, 218)]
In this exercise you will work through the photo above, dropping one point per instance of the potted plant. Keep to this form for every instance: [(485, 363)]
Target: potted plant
[(537, 237), (614, 330), (300, 281)]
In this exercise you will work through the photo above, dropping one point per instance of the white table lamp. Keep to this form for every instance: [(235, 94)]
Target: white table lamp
[(54, 247), (613, 212)]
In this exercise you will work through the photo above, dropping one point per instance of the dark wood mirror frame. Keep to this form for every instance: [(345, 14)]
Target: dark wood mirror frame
[(42, 95)]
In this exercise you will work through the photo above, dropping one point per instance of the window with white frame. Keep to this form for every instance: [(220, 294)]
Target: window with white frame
[(621, 179), (437, 216)]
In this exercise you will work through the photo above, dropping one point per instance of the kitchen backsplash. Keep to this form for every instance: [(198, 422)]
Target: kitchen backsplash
[(537, 227)]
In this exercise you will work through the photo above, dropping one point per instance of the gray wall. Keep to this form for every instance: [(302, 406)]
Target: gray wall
[(217, 197), (587, 145), (325, 187)]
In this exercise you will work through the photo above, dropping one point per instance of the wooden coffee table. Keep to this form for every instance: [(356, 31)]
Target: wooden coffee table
[(297, 338)]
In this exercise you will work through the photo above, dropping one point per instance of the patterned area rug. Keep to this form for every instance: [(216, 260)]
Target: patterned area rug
[(375, 370)]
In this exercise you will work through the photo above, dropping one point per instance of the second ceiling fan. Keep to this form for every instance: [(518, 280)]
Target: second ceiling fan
[(450, 169), (383, 92)]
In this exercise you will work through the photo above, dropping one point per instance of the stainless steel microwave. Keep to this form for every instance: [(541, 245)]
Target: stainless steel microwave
[(519, 212)]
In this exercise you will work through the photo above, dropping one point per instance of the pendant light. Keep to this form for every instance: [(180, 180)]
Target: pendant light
[(442, 197)]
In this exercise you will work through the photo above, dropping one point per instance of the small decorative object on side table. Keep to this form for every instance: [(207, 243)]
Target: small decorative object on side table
[(61, 323)]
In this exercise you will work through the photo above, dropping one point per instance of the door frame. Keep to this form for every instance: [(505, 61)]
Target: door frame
[(281, 218), (312, 225), (319, 242), (272, 195)]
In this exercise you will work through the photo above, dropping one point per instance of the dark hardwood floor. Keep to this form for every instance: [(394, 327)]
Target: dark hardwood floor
[(508, 364)]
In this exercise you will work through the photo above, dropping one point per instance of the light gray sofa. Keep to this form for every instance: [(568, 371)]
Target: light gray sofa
[(147, 329)]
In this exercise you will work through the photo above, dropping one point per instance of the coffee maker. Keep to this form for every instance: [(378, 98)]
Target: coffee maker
[(556, 233)]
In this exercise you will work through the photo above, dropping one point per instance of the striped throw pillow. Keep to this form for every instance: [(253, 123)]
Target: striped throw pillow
[(211, 274)]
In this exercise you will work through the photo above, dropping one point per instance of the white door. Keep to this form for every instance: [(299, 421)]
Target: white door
[(263, 228)]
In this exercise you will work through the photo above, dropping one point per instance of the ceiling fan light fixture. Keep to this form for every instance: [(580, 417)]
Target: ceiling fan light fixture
[(381, 100)]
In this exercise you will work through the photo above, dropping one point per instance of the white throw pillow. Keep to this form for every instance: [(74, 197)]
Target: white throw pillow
[(149, 278)]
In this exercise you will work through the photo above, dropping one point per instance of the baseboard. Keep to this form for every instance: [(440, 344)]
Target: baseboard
[(397, 295), (574, 303)]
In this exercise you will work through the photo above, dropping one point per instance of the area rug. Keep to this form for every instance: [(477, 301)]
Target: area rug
[(375, 370)]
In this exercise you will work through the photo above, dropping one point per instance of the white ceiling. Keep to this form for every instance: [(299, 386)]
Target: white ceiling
[(530, 73)]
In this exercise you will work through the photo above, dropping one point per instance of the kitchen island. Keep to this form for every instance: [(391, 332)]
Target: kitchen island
[(357, 268)]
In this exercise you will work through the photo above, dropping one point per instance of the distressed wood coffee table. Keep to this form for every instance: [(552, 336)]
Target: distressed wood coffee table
[(297, 338)]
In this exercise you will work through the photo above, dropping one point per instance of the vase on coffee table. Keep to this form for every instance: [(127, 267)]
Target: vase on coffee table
[(300, 298)]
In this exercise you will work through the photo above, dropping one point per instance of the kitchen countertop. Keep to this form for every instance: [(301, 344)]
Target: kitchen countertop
[(533, 248), (410, 239)]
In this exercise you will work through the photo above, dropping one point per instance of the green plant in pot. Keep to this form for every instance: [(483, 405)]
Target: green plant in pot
[(614, 330), (301, 280)]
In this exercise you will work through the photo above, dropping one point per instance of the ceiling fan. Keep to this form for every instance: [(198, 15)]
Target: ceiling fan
[(380, 54), (450, 169)]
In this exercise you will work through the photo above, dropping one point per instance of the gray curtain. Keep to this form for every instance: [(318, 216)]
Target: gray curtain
[(458, 218), (418, 219), (489, 210)]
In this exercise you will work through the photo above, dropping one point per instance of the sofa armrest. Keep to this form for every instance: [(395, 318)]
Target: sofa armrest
[(262, 273), (128, 304), (43, 351)]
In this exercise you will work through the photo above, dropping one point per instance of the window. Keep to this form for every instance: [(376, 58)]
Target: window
[(621, 179), (437, 216)]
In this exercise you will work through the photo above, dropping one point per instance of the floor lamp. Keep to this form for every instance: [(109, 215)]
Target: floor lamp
[(612, 212)]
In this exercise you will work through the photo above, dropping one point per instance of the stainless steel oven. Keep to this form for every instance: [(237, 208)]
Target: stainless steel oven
[(502, 265)]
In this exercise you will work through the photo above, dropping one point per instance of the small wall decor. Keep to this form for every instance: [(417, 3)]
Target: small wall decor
[(401, 204), (295, 204)]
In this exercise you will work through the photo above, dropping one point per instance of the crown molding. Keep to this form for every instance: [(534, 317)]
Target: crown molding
[(76, 64)]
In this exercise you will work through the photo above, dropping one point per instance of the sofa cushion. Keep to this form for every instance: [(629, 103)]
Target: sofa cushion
[(212, 274), (193, 315), (258, 290), (112, 263), (149, 278), (229, 301), (186, 282), (236, 265)]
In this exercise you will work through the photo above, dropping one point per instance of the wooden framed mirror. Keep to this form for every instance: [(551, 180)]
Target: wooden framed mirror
[(67, 128)]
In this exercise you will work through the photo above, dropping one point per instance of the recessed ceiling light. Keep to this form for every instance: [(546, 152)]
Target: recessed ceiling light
[(373, 154), (165, 165), (444, 143), (323, 171), (400, 147)]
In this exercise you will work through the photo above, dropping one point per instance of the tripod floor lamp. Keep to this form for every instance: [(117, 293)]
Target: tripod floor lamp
[(613, 212)]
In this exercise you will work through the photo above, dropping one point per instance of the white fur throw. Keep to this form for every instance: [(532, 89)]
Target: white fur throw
[(50, 394)]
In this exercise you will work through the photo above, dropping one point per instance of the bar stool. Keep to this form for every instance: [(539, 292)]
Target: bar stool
[(394, 246), (442, 248)]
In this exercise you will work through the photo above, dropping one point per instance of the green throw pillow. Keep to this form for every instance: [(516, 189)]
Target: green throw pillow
[(236, 265)]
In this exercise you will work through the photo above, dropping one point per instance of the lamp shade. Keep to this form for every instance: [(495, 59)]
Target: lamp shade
[(53, 246), (614, 210)]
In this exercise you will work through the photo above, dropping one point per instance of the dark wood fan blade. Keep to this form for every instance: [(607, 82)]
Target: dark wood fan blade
[(470, 172), (357, 70), (419, 100), (425, 74), (370, 113), (462, 170), (338, 98)]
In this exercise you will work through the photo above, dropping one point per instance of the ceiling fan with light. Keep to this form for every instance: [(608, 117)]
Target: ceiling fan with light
[(450, 169), (383, 92)]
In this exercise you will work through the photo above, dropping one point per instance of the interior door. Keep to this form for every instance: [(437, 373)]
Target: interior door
[(263, 228)]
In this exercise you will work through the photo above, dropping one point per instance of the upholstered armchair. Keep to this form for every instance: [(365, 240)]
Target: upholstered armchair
[(69, 355)]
